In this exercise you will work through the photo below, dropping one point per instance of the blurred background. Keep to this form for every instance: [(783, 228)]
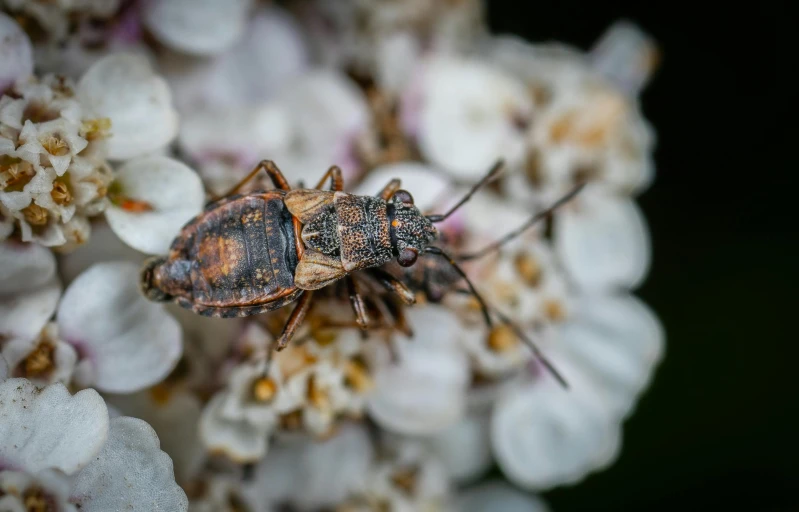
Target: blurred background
[(718, 427)]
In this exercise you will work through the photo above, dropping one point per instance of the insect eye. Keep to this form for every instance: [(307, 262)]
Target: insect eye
[(403, 196), (407, 257)]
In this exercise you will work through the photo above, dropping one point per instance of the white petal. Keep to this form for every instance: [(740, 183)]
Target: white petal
[(24, 267), (63, 357), (465, 448), (132, 342), (626, 56), (104, 245), (239, 440), (423, 182), (470, 115), (603, 242), (23, 315), (424, 391), (171, 188), (123, 87), (544, 436), (175, 422), (49, 428), (51, 485), (202, 27), (16, 53), (498, 495), (130, 473), (617, 341), (313, 475)]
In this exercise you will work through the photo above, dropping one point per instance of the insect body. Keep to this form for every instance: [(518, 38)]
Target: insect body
[(247, 254)]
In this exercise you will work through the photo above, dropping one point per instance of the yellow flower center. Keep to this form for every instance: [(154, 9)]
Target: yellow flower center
[(502, 338), (35, 215), (264, 389)]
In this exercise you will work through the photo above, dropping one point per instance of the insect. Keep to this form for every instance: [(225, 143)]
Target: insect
[(434, 279), (246, 254)]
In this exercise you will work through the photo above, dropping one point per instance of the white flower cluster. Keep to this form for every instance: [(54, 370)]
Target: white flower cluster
[(97, 159)]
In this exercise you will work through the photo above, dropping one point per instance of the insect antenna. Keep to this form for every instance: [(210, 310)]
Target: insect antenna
[(488, 177), (483, 306), (530, 343), (524, 227)]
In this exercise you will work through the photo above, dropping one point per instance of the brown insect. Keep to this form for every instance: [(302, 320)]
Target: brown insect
[(251, 253)]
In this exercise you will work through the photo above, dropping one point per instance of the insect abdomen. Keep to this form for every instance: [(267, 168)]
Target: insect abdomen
[(244, 252)]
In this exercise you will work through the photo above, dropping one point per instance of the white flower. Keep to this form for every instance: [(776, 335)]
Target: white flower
[(469, 115), (16, 54), (498, 495), (52, 169), (114, 464), (42, 360), (424, 390), (312, 474), (21, 492), (129, 473), (127, 343), (205, 27), (258, 395), (239, 440), (543, 436), (152, 198), (124, 88), (29, 290), (603, 241), (626, 56)]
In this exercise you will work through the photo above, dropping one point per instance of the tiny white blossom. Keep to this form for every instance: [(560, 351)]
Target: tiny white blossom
[(21, 492), (42, 360), (126, 342), (238, 440), (151, 199)]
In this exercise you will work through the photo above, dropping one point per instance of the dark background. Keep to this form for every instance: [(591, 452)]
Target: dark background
[(718, 427)]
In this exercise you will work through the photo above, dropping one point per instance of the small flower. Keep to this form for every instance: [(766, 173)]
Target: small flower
[(124, 88), (16, 53), (469, 115), (151, 199), (238, 440), (424, 390), (205, 27), (43, 360), (21, 491), (312, 474), (126, 343)]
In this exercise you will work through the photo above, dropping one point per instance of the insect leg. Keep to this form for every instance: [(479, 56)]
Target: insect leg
[(271, 170), (393, 285), (358, 305), (336, 179), (295, 319), (389, 189)]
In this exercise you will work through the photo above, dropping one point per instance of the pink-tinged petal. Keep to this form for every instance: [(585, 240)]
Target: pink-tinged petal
[(130, 473), (133, 343), (45, 428), (16, 53)]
